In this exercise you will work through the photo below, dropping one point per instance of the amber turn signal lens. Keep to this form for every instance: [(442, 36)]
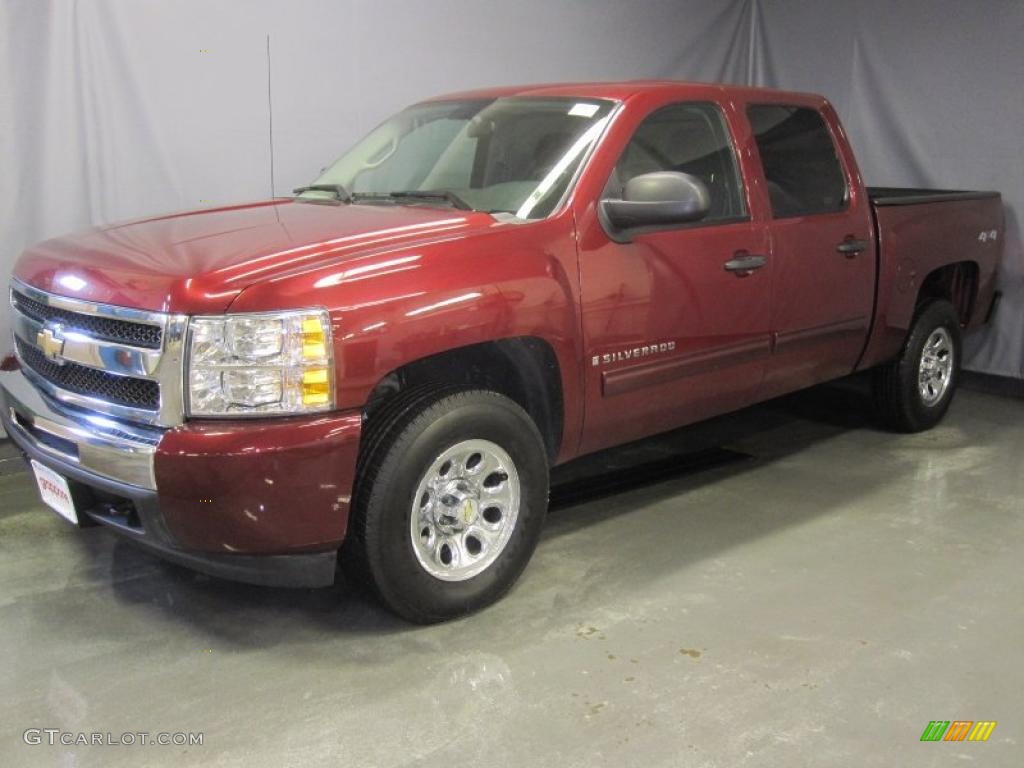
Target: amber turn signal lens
[(314, 346), (316, 387)]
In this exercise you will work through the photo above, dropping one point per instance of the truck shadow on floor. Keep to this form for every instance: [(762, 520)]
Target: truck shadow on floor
[(721, 446), (608, 486)]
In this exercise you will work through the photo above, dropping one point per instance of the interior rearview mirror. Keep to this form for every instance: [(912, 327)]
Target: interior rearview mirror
[(655, 199), (478, 128)]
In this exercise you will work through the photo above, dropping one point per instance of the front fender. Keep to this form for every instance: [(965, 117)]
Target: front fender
[(412, 302)]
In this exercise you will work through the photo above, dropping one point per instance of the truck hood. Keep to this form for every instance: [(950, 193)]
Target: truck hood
[(199, 261)]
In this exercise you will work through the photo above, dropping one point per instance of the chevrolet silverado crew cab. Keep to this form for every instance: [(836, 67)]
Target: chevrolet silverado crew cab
[(379, 372)]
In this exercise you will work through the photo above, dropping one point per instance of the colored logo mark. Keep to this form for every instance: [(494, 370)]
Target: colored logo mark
[(958, 730)]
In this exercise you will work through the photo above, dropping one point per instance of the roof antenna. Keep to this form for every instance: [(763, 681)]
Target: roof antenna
[(270, 116)]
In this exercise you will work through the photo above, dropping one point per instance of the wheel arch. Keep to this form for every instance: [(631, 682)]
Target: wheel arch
[(957, 283), (523, 368)]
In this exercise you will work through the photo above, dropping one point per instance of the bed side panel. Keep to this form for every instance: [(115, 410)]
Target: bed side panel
[(914, 241)]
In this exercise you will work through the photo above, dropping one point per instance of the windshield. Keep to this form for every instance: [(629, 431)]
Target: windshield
[(513, 155)]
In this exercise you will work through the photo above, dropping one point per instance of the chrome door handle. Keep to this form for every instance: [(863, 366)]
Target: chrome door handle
[(742, 264), (851, 246)]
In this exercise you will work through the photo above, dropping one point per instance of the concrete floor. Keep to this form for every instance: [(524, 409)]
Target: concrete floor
[(813, 596)]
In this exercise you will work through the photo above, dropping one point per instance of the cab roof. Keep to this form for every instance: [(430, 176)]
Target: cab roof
[(624, 90)]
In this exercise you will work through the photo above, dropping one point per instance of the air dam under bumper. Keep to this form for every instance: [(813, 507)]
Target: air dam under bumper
[(259, 501)]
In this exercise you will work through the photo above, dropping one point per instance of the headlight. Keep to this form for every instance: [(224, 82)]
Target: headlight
[(255, 364)]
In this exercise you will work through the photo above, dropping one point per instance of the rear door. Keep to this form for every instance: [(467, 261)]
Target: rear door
[(672, 332), (822, 247)]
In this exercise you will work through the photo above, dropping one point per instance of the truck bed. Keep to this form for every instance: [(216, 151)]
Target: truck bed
[(948, 237), (880, 196)]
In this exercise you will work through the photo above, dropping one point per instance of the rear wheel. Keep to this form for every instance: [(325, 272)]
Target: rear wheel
[(450, 504), (913, 392)]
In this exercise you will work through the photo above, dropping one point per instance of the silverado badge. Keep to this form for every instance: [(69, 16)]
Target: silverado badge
[(635, 353)]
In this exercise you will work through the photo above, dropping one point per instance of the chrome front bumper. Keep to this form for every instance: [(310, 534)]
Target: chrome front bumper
[(90, 442), (101, 456)]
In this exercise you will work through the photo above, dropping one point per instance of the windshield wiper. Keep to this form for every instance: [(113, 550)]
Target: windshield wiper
[(435, 194), (418, 194), (339, 191)]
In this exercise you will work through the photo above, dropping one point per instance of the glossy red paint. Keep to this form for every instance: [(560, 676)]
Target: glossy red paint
[(917, 240), (404, 302), (403, 283), (198, 262), (651, 289), (267, 487), (822, 301)]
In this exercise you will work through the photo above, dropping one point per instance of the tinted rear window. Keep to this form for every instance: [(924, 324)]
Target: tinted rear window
[(800, 163)]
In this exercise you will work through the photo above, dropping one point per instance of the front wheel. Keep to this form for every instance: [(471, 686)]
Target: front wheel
[(913, 392), (450, 505)]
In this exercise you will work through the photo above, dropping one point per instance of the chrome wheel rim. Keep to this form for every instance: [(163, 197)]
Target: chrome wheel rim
[(465, 510), (936, 368)]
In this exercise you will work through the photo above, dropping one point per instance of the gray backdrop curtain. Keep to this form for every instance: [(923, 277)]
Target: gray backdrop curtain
[(931, 93), (111, 109)]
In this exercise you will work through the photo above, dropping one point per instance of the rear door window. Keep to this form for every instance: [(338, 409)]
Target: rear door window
[(800, 162)]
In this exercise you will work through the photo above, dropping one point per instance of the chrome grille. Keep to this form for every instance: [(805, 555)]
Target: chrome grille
[(121, 362), (122, 390), (105, 328)]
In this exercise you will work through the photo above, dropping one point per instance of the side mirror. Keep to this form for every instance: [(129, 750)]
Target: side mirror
[(662, 198)]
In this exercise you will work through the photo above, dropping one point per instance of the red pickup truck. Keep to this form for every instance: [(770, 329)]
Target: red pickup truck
[(380, 371)]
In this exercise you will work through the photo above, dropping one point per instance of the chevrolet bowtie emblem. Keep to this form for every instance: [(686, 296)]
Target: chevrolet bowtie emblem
[(51, 343), (468, 511)]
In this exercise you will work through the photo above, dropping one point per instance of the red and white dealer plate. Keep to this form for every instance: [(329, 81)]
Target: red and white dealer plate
[(55, 492)]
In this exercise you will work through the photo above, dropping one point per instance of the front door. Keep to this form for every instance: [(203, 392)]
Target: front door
[(673, 330)]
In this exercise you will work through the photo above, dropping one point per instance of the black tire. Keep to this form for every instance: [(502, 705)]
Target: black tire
[(402, 443), (901, 405)]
